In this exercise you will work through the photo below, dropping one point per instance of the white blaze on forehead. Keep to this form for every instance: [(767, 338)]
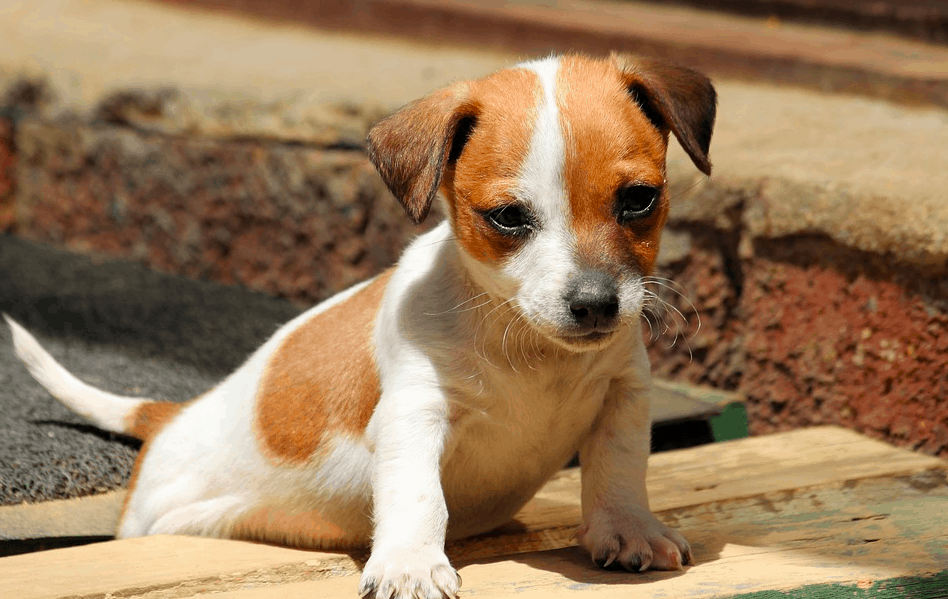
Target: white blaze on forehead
[(541, 177)]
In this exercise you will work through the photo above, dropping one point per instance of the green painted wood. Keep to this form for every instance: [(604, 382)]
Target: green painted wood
[(911, 587), (731, 423)]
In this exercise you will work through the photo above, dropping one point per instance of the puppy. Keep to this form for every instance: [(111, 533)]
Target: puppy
[(431, 402)]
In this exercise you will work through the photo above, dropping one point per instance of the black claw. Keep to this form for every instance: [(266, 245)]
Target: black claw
[(605, 562), (633, 565), (367, 590)]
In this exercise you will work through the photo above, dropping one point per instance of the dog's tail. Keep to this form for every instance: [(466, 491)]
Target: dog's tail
[(134, 416)]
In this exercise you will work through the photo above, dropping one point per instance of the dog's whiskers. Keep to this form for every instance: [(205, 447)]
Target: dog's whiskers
[(481, 348), (648, 321), (471, 299), (658, 307), (671, 286), (483, 355), (503, 345), (439, 241), (525, 330), (684, 191)]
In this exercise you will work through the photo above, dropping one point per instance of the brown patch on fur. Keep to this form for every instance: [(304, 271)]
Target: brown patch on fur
[(486, 173), (609, 143), (149, 418), (322, 379), (311, 530)]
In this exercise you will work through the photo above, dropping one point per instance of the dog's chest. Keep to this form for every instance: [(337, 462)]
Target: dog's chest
[(532, 418), (526, 407), (510, 431)]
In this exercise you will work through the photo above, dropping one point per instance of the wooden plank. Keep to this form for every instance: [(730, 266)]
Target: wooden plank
[(677, 402), (86, 516), (673, 404), (846, 533), (135, 566), (735, 471), (795, 459)]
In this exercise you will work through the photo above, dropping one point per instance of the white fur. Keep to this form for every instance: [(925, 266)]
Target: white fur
[(105, 410), (480, 404)]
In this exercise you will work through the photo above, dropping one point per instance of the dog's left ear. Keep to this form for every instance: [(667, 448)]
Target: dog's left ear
[(412, 147), (673, 98)]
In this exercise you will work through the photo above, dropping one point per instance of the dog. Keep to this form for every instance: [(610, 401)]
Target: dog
[(431, 402)]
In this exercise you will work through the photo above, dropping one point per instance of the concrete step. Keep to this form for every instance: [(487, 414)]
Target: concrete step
[(745, 47), (925, 20)]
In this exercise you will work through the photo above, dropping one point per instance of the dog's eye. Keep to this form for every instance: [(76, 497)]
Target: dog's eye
[(510, 219), (635, 202)]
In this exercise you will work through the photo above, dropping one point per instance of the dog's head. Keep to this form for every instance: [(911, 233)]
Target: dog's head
[(553, 175)]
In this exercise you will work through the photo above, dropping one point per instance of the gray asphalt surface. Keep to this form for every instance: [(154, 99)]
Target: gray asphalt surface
[(117, 326)]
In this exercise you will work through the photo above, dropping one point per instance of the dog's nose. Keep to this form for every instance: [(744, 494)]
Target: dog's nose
[(594, 300)]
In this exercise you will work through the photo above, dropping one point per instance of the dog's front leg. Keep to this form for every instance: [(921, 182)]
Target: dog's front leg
[(410, 514), (618, 526)]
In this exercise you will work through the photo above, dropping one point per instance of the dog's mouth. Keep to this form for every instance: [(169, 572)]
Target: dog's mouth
[(574, 337), (589, 340), (591, 336)]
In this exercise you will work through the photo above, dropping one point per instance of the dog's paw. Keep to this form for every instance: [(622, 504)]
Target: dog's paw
[(409, 573), (634, 540)]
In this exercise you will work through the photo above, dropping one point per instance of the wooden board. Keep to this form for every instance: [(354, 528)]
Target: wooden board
[(812, 506), (679, 402), (86, 516)]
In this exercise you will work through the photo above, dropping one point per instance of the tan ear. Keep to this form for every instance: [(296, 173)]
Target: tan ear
[(412, 147), (674, 98)]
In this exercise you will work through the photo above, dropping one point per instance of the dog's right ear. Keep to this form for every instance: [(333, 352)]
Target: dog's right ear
[(674, 99), (412, 147)]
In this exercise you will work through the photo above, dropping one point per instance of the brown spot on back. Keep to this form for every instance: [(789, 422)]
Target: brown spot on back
[(609, 143), (322, 379)]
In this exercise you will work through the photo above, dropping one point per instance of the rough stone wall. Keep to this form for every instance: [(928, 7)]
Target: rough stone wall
[(811, 333), (295, 221), (7, 212)]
